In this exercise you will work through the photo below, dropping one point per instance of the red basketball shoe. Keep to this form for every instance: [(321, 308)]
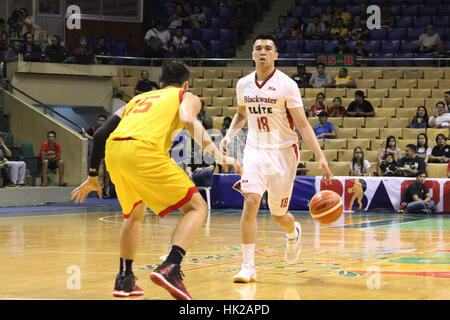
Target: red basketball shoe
[(170, 277)]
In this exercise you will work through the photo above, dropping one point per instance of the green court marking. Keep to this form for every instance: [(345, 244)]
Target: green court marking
[(432, 223)]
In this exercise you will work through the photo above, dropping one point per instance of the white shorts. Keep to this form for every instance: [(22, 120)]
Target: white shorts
[(271, 170)]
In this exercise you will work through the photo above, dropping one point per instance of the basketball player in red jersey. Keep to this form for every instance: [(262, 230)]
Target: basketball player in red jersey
[(271, 103)]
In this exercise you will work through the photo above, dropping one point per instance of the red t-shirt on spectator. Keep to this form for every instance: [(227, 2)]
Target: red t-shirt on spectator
[(46, 147), (315, 109), (341, 111)]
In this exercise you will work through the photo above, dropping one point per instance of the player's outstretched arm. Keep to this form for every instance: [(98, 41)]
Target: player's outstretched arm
[(98, 150), (308, 135), (189, 109), (238, 122)]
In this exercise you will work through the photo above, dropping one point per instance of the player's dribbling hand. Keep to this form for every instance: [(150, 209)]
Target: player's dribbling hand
[(224, 143), (82, 191), (230, 161), (327, 175)]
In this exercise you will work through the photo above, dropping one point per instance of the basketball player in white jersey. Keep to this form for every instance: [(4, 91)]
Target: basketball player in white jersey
[(271, 102)]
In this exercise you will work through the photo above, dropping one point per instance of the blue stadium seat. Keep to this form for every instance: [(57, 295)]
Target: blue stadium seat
[(217, 49), (390, 46), (119, 44), (225, 11), (373, 45), (428, 10), (441, 21), (196, 45), (405, 62), (315, 46), (208, 11), (315, 11), (383, 63), (305, 2), (395, 10), (351, 44), (298, 11), (192, 34), (215, 23), (342, 2), (281, 63), (290, 21), (324, 2), (421, 21), (403, 22), (378, 34), (281, 46), (134, 62), (208, 34), (294, 46), (307, 56), (353, 9), (397, 1), (444, 10), (397, 34), (329, 45), (408, 45), (414, 33), (434, 1), (424, 63), (229, 36), (409, 10)]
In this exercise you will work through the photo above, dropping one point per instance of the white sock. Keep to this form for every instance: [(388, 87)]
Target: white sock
[(293, 234), (248, 253)]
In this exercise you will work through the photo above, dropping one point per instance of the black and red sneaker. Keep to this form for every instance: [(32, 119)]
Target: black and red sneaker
[(170, 277), (126, 286)]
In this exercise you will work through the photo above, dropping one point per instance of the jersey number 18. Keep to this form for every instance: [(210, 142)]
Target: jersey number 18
[(263, 124)]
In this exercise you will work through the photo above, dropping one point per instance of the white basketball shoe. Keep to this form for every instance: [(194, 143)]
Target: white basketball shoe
[(247, 273), (294, 246)]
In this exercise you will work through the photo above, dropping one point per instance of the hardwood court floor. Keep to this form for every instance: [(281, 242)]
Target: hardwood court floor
[(371, 256)]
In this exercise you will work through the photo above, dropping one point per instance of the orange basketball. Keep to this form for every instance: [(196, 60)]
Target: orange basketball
[(326, 206)]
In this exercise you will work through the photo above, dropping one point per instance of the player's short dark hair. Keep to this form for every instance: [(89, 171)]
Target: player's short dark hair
[(421, 172), (411, 146), (359, 93), (320, 64), (174, 73), (266, 36), (51, 132), (440, 135), (102, 116), (447, 92)]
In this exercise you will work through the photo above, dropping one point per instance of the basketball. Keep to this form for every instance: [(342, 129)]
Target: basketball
[(326, 206)]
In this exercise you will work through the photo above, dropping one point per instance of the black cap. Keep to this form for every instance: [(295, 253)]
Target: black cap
[(323, 114), (300, 65)]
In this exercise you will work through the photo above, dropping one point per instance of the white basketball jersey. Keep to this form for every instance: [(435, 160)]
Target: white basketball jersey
[(270, 125)]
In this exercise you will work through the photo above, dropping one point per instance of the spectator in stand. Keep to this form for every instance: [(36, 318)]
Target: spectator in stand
[(2, 26), (179, 18), (101, 49), (428, 41), (359, 166), (339, 31), (281, 32), (239, 21), (363, 12), (225, 125), (29, 50), (145, 85), (339, 13), (342, 48), (171, 53), (441, 52), (103, 175), (327, 16), (50, 156), (324, 129), (197, 18), (387, 18), (316, 30), (83, 54), (423, 151), (358, 30), (302, 77), (416, 198), (441, 152), (189, 52), (178, 38), (298, 29), (17, 168), (343, 80), (55, 52), (389, 148), (204, 117), (201, 168), (387, 166), (12, 54), (315, 109), (447, 101), (441, 119), (410, 164), (3, 43), (420, 120), (321, 79), (337, 109), (27, 24), (360, 107), (157, 41), (360, 52)]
